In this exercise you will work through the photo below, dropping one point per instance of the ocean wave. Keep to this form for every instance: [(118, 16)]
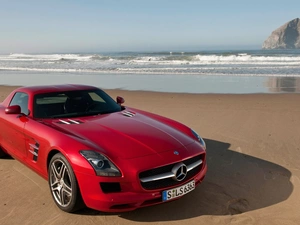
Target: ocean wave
[(152, 59), (100, 57), (146, 63), (246, 58), (232, 71), (215, 59), (44, 57), (41, 69)]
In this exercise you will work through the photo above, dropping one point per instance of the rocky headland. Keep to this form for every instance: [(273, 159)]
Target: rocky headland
[(285, 37)]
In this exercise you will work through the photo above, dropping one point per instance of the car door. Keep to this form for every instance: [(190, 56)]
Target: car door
[(13, 126)]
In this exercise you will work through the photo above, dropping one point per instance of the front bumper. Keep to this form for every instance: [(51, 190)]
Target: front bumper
[(131, 195), (127, 199)]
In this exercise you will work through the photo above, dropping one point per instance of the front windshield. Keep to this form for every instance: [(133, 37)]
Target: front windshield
[(73, 104)]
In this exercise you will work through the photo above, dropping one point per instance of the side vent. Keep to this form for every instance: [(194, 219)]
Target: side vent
[(69, 121), (34, 150)]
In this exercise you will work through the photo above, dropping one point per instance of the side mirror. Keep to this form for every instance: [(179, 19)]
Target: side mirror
[(13, 109), (120, 100)]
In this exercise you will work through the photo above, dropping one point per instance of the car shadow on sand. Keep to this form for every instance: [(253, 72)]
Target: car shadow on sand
[(235, 183), (6, 157)]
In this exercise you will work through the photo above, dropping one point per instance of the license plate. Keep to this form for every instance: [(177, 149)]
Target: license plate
[(179, 191)]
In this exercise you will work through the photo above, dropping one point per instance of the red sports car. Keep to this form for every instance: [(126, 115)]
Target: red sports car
[(95, 152)]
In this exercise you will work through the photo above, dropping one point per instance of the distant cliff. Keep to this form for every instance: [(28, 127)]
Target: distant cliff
[(285, 37)]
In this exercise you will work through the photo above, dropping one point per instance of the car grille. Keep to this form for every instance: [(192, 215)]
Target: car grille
[(168, 182)]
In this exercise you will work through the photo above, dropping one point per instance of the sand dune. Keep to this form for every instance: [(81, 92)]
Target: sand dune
[(253, 177)]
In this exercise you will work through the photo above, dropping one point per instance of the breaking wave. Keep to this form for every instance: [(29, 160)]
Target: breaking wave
[(257, 63)]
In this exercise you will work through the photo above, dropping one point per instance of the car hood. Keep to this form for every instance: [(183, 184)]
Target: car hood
[(125, 134)]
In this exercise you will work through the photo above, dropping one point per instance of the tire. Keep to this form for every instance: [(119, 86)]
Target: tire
[(63, 184)]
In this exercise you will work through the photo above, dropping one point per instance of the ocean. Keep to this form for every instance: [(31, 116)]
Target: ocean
[(246, 71)]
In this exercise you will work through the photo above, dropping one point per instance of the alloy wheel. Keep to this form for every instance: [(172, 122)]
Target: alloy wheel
[(60, 183)]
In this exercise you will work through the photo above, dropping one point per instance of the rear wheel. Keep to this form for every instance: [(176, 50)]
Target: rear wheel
[(63, 184)]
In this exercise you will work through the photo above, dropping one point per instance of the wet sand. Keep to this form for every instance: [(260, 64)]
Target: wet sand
[(253, 149), (180, 83)]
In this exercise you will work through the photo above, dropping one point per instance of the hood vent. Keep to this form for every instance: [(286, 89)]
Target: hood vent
[(69, 121), (128, 114)]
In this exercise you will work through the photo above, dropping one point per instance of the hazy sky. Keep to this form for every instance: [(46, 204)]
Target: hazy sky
[(29, 26)]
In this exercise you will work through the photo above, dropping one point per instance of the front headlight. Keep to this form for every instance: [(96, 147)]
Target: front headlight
[(102, 165), (202, 142)]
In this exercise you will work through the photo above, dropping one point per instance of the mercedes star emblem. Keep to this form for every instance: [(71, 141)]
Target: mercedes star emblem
[(180, 171)]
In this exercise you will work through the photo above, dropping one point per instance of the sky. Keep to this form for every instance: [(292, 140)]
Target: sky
[(78, 26)]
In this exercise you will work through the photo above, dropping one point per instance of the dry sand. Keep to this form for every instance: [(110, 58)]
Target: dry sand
[(253, 149)]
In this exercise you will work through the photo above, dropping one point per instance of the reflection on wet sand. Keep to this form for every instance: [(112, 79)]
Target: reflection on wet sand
[(283, 84), (187, 83)]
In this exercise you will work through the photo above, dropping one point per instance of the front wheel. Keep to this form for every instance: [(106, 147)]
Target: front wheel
[(63, 184)]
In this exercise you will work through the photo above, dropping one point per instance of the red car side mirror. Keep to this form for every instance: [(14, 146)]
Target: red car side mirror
[(13, 109), (120, 100)]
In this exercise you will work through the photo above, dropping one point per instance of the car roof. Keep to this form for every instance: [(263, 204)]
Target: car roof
[(54, 88)]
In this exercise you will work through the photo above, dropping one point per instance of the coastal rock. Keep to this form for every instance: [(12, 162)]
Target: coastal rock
[(285, 37)]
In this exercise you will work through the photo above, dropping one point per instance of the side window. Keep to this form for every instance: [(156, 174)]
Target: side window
[(21, 99), (96, 97)]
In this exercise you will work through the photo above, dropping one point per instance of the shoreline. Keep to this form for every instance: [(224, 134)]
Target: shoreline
[(161, 83), (7, 89)]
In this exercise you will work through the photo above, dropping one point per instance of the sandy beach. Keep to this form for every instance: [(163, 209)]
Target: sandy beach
[(253, 152)]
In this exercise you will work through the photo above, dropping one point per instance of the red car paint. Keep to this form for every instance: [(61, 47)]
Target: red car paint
[(134, 140)]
